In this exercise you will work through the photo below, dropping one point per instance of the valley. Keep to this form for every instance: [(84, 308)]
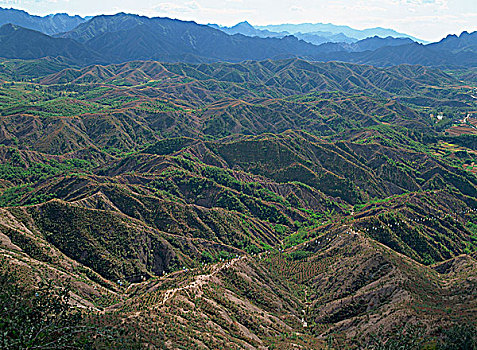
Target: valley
[(262, 205)]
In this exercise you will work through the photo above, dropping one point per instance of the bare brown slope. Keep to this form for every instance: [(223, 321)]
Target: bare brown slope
[(282, 299)]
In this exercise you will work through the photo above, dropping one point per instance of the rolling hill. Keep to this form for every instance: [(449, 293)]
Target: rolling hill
[(260, 204), (124, 106)]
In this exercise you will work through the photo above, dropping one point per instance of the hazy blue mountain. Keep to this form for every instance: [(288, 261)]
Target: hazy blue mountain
[(99, 25), (315, 38), (337, 29), (51, 24), (125, 37), (374, 43), (464, 42), (18, 42), (247, 29), (318, 38), (415, 53), (368, 44), (452, 51)]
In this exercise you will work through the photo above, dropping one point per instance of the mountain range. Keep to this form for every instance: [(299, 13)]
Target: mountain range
[(336, 29), (62, 22), (18, 42), (313, 33), (124, 37), (316, 38), (52, 24)]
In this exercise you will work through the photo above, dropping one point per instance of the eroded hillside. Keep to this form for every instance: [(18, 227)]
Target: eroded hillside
[(275, 204)]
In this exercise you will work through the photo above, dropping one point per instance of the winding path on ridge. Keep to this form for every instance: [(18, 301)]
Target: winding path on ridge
[(200, 281)]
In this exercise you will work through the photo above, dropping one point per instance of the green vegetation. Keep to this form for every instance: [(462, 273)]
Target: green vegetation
[(461, 336), (40, 317), (294, 198)]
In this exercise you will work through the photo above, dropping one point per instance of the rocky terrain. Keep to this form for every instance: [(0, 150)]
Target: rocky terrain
[(261, 205)]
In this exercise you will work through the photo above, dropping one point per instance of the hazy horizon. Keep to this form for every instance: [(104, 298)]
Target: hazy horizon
[(425, 19)]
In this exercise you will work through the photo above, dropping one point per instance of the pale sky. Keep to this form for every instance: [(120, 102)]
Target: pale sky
[(426, 19)]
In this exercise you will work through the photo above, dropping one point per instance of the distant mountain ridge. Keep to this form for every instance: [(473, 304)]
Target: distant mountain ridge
[(315, 38), (336, 29), (452, 51), (246, 28), (19, 42), (373, 43), (125, 37), (318, 38), (51, 24), (313, 33), (328, 33), (368, 44), (464, 42)]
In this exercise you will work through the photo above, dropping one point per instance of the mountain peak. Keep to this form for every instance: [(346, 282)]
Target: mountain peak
[(454, 42), (50, 24), (243, 24), (466, 34), (9, 28)]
